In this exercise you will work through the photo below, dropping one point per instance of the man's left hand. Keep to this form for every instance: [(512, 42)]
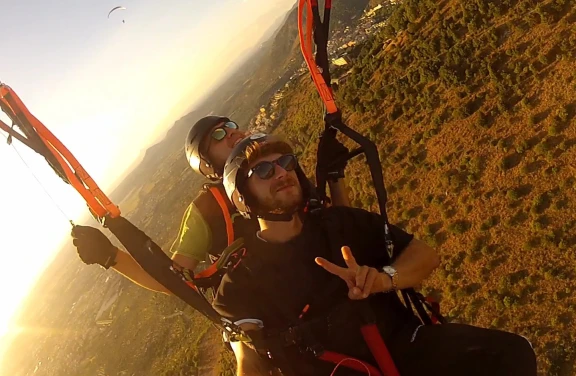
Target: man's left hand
[(361, 280), (330, 150)]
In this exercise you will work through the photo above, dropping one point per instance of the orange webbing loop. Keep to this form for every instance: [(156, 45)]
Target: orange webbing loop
[(208, 272), (306, 47), (229, 229), (98, 202), (225, 211)]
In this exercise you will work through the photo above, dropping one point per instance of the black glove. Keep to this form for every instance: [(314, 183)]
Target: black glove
[(93, 246), (331, 156)]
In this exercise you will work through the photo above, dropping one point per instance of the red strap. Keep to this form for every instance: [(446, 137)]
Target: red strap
[(350, 362), (435, 307), (379, 350)]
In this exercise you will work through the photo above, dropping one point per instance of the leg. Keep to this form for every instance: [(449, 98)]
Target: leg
[(456, 349)]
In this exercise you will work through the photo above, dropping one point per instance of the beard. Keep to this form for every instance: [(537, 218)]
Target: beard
[(285, 197)]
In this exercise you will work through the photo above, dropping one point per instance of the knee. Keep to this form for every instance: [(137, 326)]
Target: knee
[(521, 347)]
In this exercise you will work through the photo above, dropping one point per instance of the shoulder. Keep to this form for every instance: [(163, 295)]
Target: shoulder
[(363, 226), (206, 204), (206, 193), (194, 214), (347, 216), (354, 217)]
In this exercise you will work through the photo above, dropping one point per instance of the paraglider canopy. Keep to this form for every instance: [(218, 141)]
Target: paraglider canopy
[(116, 9)]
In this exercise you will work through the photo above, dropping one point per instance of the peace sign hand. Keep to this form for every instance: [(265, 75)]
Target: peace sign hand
[(361, 280)]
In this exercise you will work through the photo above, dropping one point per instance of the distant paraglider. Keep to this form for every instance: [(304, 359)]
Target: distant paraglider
[(116, 9)]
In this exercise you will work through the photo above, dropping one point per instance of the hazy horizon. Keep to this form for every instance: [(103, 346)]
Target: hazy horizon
[(108, 90)]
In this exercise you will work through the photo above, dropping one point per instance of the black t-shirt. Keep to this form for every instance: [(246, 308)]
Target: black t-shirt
[(276, 281)]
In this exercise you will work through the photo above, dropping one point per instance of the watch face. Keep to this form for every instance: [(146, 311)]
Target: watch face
[(389, 270)]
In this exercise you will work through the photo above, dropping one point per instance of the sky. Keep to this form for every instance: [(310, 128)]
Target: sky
[(107, 90)]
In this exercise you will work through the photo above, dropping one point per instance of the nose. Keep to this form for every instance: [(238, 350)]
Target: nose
[(232, 135), (232, 132), (279, 172)]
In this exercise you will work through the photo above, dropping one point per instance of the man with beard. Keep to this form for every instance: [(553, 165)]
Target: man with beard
[(297, 291)]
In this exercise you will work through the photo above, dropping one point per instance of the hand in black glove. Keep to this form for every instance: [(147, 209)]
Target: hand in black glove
[(330, 157), (93, 246)]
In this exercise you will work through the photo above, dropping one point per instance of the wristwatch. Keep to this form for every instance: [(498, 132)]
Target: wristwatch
[(393, 274)]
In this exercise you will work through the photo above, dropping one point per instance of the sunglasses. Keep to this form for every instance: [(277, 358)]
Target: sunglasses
[(219, 133), (265, 170)]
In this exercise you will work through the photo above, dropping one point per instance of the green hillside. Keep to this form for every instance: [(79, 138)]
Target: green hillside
[(471, 104)]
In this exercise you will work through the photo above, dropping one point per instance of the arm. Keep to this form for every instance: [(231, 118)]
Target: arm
[(339, 192), (193, 241), (249, 362), (129, 268), (185, 262), (191, 244), (94, 247), (413, 259), (236, 301), (414, 264)]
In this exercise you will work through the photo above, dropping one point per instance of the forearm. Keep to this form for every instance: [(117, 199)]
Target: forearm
[(339, 192), (257, 369), (413, 265), (129, 268), (249, 363)]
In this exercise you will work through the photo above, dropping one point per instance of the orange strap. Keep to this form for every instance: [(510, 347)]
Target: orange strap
[(225, 211), (306, 45), (229, 228), (98, 202), (208, 272)]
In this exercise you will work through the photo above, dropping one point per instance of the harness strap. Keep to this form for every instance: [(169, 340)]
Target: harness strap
[(235, 249), (225, 212), (379, 350), (305, 33), (321, 29)]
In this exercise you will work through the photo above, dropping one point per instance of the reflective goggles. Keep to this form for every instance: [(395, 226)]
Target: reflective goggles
[(219, 133)]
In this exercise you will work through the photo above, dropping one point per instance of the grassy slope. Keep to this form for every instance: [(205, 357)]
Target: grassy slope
[(472, 107)]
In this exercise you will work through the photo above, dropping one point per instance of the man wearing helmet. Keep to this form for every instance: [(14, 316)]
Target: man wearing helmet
[(292, 293), (204, 231)]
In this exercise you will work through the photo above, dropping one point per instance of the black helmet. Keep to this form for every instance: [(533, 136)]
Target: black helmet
[(195, 137), (235, 179)]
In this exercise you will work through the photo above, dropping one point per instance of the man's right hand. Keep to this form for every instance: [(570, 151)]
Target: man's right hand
[(93, 246), (362, 280)]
